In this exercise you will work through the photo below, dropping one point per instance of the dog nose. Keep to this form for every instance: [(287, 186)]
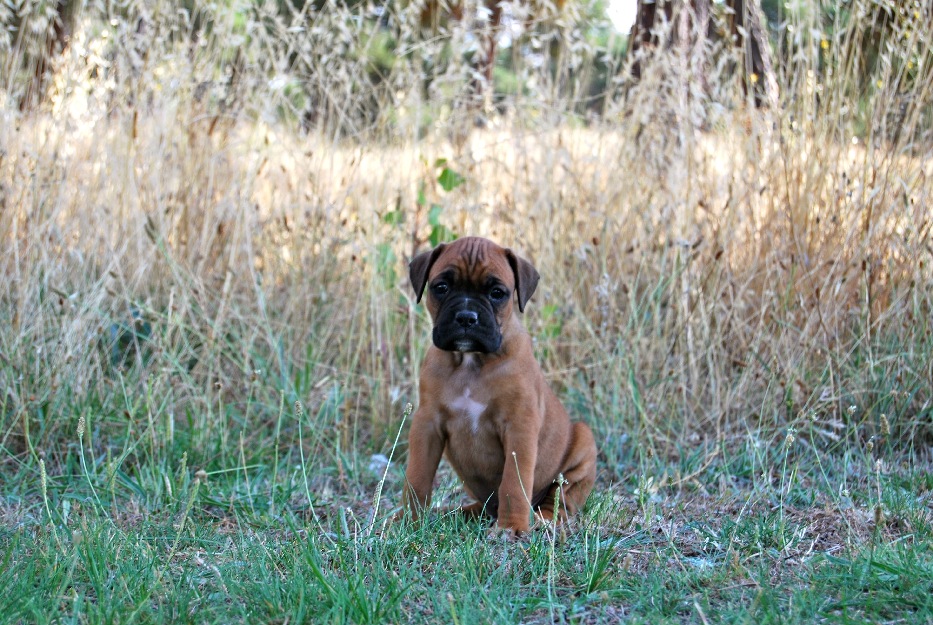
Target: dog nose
[(466, 318)]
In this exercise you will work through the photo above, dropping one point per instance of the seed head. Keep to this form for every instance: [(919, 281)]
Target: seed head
[(43, 478)]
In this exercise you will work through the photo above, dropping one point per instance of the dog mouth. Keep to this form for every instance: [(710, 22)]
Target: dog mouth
[(467, 326), (459, 342)]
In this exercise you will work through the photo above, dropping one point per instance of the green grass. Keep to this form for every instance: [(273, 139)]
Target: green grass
[(161, 543)]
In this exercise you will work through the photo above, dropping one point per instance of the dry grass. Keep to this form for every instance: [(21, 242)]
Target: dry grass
[(696, 281)]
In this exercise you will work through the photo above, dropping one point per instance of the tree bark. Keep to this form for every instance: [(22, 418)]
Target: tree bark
[(748, 32), (746, 28), (642, 36), (40, 58)]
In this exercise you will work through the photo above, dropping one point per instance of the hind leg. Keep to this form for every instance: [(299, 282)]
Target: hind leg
[(579, 472)]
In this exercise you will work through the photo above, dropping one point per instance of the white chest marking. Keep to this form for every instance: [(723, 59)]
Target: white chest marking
[(469, 408)]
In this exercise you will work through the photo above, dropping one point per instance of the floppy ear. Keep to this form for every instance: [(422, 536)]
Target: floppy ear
[(526, 278), (420, 266)]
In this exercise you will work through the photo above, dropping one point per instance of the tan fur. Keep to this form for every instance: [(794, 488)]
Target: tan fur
[(502, 428)]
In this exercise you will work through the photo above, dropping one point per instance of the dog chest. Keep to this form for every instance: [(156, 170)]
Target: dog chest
[(465, 407)]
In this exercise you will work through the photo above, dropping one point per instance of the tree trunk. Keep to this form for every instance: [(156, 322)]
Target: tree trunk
[(38, 57), (746, 27), (648, 16), (749, 33)]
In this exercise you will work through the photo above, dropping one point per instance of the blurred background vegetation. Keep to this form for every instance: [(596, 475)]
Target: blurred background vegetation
[(191, 191), (351, 66)]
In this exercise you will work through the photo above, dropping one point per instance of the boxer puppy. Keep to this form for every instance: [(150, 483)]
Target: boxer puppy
[(484, 401)]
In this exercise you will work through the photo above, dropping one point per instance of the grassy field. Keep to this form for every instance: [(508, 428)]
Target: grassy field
[(208, 345)]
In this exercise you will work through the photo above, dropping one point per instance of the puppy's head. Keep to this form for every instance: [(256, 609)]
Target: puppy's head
[(471, 286)]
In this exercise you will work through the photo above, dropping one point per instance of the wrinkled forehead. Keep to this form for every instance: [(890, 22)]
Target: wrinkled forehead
[(473, 261)]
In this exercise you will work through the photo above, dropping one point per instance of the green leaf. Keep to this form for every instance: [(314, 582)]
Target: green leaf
[(450, 180), (394, 218), (441, 234), (553, 324), (434, 215), (385, 263)]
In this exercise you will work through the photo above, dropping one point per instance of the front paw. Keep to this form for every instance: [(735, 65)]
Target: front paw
[(508, 533)]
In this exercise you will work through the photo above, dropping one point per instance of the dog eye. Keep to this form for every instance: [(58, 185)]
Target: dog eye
[(498, 293), (440, 288)]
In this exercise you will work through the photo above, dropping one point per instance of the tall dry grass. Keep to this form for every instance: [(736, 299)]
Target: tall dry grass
[(194, 231)]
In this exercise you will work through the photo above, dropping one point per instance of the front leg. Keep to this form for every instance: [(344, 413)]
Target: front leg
[(425, 446), (517, 487)]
